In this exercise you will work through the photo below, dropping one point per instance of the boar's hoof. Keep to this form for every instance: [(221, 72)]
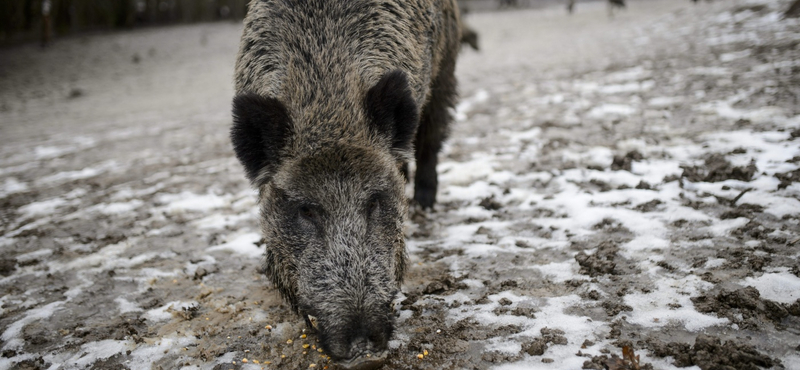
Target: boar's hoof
[(425, 197), (372, 362)]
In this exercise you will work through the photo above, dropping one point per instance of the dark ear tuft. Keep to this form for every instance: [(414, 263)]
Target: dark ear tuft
[(393, 111), (261, 128)]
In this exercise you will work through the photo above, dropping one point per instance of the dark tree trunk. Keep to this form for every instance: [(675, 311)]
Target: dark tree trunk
[(22, 20), (793, 11)]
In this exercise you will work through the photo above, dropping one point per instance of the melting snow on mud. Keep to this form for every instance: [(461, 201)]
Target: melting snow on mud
[(638, 190)]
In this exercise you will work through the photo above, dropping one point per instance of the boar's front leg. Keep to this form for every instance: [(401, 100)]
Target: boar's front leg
[(432, 131)]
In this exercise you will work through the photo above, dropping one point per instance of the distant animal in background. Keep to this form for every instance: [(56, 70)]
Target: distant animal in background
[(613, 5), (508, 4), (469, 37), (793, 11)]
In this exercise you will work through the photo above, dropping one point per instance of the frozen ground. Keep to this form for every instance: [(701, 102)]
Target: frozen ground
[(609, 184)]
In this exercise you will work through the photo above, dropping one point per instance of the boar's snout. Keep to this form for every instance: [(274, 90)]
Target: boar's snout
[(358, 342)]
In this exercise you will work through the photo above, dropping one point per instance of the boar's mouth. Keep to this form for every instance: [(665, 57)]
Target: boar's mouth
[(360, 344), (364, 362)]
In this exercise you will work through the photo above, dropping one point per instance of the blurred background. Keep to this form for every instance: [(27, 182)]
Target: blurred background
[(34, 20), (26, 20)]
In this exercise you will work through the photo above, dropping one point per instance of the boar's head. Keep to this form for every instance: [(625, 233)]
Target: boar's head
[(332, 215)]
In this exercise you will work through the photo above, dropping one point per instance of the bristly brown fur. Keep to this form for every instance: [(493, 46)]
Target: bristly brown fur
[(333, 98), (320, 57)]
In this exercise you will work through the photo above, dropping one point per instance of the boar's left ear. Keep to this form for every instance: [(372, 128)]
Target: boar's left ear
[(261, 129), (393, 111)]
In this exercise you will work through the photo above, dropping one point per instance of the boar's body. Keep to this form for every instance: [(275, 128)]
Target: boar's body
[(332, 97)]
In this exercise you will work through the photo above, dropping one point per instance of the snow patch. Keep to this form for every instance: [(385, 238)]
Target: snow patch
[(465, 106), (164, 313), (611, 110), (221, 221), (188, 201), (729, 57), (126, 306), (11, 186), (93, 351), (665, 101), (465, 173), (781, 287), (41, 208), (36, 255), (11, 335), (558, 272), (244, 244), (118, 208), (653, 309)]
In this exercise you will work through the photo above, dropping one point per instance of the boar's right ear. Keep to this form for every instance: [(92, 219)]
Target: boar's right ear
[(393, 111), (261, 128)]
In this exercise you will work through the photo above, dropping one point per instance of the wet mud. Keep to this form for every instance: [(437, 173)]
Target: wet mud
[(632, 210)]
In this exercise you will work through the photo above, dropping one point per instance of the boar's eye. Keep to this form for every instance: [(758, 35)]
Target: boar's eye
[(309, 215), (373, 205)]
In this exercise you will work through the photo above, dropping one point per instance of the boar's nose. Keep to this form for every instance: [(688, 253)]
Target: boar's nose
[(365, 354), (366, 350), (363, 345)]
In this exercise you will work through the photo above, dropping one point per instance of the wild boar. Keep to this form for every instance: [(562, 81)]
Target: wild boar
[(333, 99)]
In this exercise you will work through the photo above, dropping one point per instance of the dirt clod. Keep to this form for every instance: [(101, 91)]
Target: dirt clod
[(536, 348), (788, 178), (490, 203), (742, 210), (648, 206), (435, 287), (717, 168), (744, 307), (709, 352), (624, 162), (7, 266), (601, 262), (555, 336), (614, 308)]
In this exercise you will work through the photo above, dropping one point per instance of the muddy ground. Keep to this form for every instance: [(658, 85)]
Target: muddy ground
[(616, 193)]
